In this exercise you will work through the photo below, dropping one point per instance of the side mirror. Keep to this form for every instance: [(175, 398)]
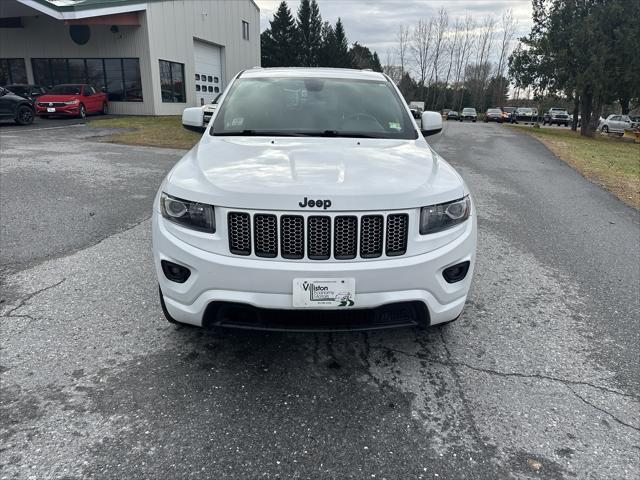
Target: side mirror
[(431, 123), (193, 119)]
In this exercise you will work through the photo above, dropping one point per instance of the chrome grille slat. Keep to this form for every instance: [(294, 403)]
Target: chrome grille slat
[(317, 237)]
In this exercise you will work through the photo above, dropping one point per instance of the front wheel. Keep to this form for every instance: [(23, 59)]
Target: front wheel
[(24, 115), (605, 129), (82, 112)]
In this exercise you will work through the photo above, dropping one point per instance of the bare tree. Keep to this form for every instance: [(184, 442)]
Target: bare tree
[(483, 50), (464, 54), (453, 49), (508, 26), (394, 72), (421, 50), (440, 27), (403, 47)]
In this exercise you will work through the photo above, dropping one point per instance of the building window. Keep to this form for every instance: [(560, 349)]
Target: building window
[(172, 82), (12, 70), (245, 30), (119, 77)]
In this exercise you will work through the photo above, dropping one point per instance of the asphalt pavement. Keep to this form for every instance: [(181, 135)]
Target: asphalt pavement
[(537, 379)]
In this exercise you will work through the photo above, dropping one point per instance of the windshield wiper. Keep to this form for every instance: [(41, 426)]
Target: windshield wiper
[(256, 133), (337, 134)]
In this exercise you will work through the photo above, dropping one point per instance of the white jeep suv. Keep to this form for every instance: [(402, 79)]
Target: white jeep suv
[(313, 202)]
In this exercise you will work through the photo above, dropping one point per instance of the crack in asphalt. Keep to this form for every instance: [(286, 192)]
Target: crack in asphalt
[(28, 297), (511, 374), (637, 429), (564, 382)]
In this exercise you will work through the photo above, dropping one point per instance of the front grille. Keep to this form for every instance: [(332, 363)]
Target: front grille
[(292, 236), (318, 237), (371, 236), (239, 227), (51, 104)]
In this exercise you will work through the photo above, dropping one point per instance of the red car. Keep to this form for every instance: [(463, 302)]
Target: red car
[(75, 100)]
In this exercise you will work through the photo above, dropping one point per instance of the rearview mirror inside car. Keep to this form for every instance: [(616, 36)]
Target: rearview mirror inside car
[(193, 119), (431, 123)]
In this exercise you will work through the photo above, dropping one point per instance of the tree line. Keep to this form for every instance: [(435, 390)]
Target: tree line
[(307, 41), (587, 51), (453, 63)]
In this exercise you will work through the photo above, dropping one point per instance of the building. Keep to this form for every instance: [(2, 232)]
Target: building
[(152, 57)]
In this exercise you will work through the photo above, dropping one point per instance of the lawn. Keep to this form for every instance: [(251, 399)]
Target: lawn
[(166, 132), (611, 162)]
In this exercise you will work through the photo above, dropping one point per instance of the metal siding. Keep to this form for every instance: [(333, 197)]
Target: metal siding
[(174, 24)]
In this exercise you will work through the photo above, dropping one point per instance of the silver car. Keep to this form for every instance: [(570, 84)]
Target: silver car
[(615, 124)]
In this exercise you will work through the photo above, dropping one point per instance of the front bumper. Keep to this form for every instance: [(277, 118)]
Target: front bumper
[(71, 110), (266, 284)]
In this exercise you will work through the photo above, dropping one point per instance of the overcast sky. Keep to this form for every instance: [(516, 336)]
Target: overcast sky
[(374, 23)]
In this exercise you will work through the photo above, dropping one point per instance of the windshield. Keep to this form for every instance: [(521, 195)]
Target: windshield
[(525, 110), (311, 106), (65, 90), (469, 110), (493, 110), (18, 90), (508, 109)]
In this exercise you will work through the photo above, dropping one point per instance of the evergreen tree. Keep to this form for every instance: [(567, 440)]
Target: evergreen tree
[(278, 43), (328, 49), (341, 54), (376, 66), (362, 58), (309, 25)]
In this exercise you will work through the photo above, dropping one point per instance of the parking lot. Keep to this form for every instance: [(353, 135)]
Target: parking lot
[(537, 379)]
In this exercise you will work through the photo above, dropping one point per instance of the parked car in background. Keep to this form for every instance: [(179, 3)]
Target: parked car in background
[(615, 124), (16, 108), (453, 115), (524, 115), (557, 116), (493, 115), (469, 114), (507, 112), (75, 100), (30, 92)]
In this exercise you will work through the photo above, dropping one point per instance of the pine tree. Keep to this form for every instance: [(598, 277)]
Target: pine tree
[(341, 54), (328, 46), (309, 25), (278, 42), (376, 66)]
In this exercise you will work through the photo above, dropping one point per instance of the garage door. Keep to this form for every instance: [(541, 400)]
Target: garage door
[(208, 75)]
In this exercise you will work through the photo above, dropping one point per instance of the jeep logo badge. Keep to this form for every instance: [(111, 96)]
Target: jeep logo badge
[(324, 204)]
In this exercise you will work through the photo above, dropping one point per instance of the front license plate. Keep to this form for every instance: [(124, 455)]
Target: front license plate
[(324, 292), (51, 110)]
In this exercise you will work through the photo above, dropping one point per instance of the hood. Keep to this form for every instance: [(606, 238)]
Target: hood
[(278, 173), (56, 98)]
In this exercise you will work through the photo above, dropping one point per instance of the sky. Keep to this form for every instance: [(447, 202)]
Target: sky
[(374, 23)]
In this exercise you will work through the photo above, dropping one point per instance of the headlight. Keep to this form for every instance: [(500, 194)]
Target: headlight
[(445, 215), (196, 216), (72, 102)]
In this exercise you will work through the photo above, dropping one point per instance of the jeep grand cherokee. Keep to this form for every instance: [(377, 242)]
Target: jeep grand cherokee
[(313, 202)]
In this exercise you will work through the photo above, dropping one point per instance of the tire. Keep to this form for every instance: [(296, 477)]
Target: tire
[(82, 112), (105, 109), (24, 115), (473, 121), (605, 129)]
